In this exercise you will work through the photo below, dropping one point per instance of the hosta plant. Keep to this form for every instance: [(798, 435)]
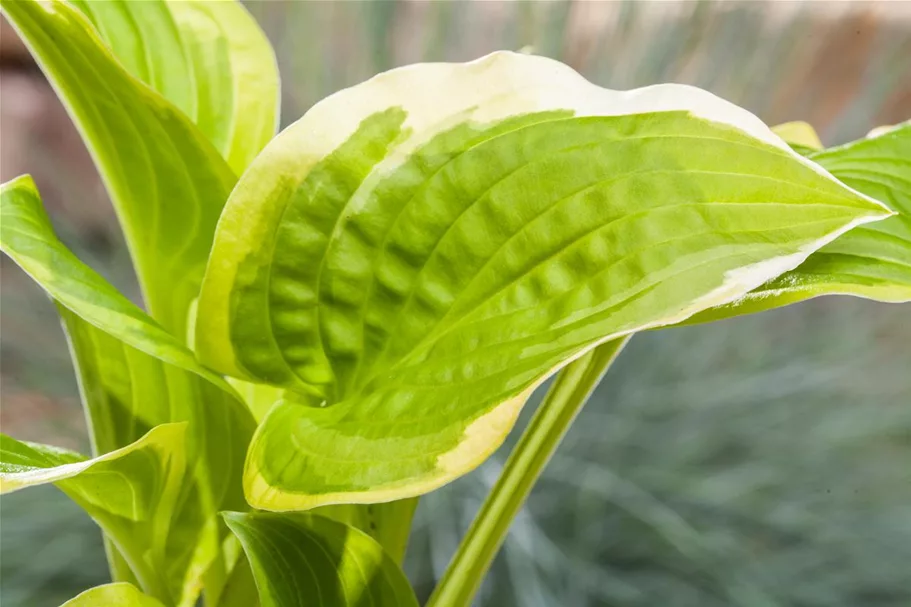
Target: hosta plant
[(352, 313)]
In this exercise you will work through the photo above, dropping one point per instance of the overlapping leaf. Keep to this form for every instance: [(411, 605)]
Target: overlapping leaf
[(113, 595), (305, 559), (871, 261), (420, 251), (801, 136), (134, 376), (210, 64), (167, 181), (258, 397), (207, 57), (132, 493), (388, 523)]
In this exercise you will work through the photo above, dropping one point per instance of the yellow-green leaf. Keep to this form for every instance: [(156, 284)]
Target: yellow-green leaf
[(132, 492), (872, 261), (207, 57), (113, 595), (168, 183), (799, 135), (133, 376), (417, 253)]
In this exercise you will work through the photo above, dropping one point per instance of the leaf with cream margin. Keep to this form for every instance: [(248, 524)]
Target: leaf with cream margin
[(388, 523), (419, 252), (131, 493), (871, 261), (113, 595), (166, 180), (300, 560), (883, 129), (133, 376), (207, 57)]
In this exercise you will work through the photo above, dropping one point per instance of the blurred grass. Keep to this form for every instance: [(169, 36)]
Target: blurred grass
[(763, 461), (758, 461), (51, 550), (845, 67)]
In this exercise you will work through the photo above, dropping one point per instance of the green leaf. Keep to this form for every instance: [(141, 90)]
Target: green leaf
[(389, 523), (209, 58), (421, 251), (113, 595), (240, 588), (871, 261), (306, 559), (167, 182), (131, 493), (133, 376), (258, 397)]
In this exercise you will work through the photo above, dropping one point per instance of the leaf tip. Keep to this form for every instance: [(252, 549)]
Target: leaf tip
[(232, 518)]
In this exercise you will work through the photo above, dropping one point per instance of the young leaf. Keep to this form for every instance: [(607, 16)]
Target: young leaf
[(133, 376), (801, 136), (305, 559), (872, 261), (210, 59), (258, 397), (389, 524), (113, 595), (131, 493), (421, 251), (240, 587), (167, 182)]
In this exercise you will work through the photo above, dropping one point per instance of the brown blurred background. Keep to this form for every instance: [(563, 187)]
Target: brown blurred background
[(686, 500)]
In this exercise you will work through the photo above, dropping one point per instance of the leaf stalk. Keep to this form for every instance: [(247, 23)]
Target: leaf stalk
[(566, 397)]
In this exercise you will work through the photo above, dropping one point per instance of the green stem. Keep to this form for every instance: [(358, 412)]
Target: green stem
[(547, 428)]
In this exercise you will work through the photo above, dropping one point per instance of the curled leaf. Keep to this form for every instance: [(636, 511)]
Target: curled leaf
[(131, 493), (300, 560), (209, 58)]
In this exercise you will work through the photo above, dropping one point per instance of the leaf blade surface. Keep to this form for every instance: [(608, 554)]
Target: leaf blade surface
[(306, 559), (872, 261), (421, 251)]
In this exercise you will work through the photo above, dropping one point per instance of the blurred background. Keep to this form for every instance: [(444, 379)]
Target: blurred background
[(763, 461)]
